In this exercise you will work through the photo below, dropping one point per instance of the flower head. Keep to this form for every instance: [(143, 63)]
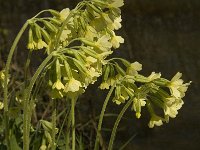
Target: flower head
[(155, 120), (116, 40), (176, 86), (103, 43), (58, 85), (134, 68), (73, 85), (40, 44), (137, 104)]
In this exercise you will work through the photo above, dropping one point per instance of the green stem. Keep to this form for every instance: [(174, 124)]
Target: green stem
[(73, 123), (96, 147), (27, 109), (53, 146), (10, 55), (113, 134)]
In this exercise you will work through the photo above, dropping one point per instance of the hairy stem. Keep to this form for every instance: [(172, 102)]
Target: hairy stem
[(113, 134), (96, 147), (27, 109), (73, 124), (53, 146), (7, 67)]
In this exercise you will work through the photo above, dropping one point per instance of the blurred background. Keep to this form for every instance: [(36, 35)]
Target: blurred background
[(162, 35)]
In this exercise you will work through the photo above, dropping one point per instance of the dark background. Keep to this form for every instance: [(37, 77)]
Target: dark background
[(162, 35)]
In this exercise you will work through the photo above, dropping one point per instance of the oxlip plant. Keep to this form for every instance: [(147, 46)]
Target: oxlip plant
[(76, 44)]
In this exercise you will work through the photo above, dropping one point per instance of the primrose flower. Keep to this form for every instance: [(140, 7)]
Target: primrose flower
[(137, 104), (31, 45), (103, 43), (119, 100), (90, 60), (155, 120), (65, 35), (176, 86), (64, 14), (134, 68), (1, 105), (73, 85), (104, 85), (41, 44), (117, 23), (154, 76), (116, 40), (91, 33), (58, 85)]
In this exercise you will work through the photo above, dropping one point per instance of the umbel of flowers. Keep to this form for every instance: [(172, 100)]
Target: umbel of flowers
[(152, 92), (87, 38)]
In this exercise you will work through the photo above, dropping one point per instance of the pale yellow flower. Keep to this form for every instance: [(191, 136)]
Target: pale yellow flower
[(65, 35), (73, 85), (41, 44), (176, 86), (155, 120), (58, 85), (134, 68), (137, 104), (1, 105), (117, 23), (154, 76), (64, 14), (31, 45), (116, 40), (103, 43)]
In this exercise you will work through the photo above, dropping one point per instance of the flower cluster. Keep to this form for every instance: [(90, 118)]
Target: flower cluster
[(157, 94), (87, 37)]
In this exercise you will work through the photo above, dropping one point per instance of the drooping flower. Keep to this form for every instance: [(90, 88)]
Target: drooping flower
[(40, 44), (103, 43), (154, 76), (134, 68), (137, 104), (31, 45), (116, 40), (73, 85), (65, 35), (155, 120), (58, 85), (176, 86), (117, 23)]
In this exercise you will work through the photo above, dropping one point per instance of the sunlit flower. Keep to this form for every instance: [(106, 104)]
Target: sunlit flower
[(134, 68), (41, 44), (31, 45), (64, 35), (116, 40), (73, 85), (64, 14), (58, 85), (154, 76), (90, 33), (104, 85), (177, 88), (155, 120), (119, 100), (137, 104), (103, 43), (117, 23)]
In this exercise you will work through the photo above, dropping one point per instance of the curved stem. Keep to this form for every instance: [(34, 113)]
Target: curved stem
[(27, 109), (10, 55), (112, 138), (73, 124), (101, 117)]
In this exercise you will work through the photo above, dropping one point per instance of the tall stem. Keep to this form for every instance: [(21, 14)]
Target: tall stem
[(7, 67), (113, 134), (73, 124), (53, 146), (96, 147), (27, 109)]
